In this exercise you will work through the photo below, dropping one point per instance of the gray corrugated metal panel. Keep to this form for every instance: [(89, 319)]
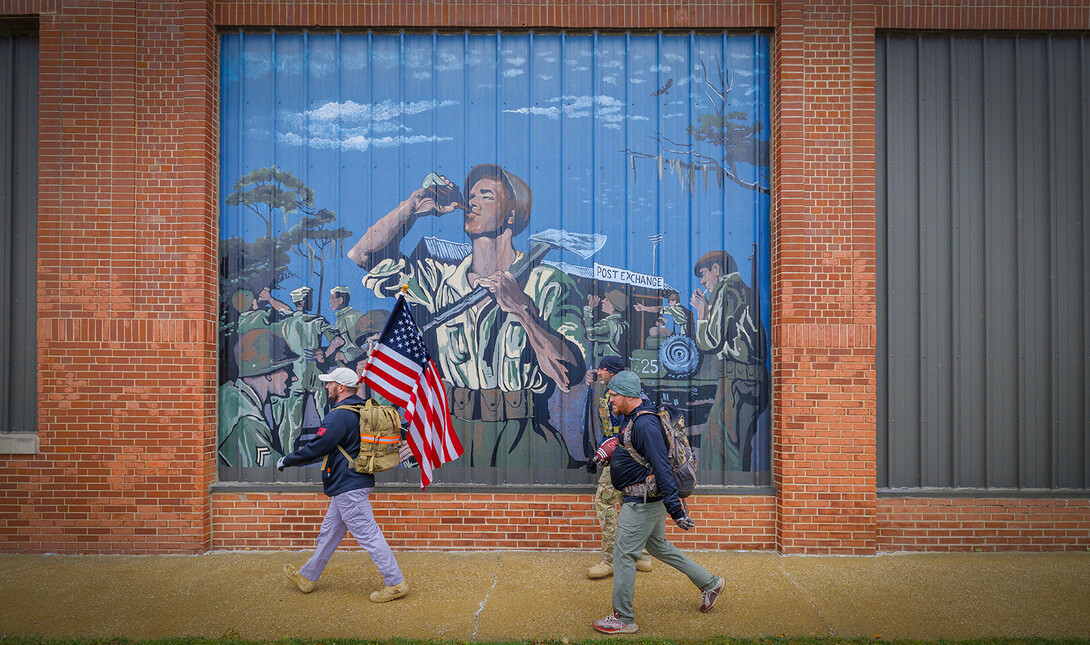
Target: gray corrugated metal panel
[(25, 239), (7, 216), (1069, 217), (1001, 276), (1034, 222), (881, 237), (968, 197), (935, 266), (1012, 142), (18, 231), (1084, 55), (902, 252)]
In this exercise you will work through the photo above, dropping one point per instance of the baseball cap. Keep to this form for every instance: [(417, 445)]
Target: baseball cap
[(342, 375)]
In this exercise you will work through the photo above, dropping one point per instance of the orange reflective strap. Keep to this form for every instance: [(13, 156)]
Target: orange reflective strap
[(386, 441)]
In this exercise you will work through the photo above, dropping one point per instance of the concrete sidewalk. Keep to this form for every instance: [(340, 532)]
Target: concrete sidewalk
[(521, 595)]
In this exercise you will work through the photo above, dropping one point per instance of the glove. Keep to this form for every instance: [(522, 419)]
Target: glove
[(685, 522), (605, 451), (592, 467), (280, 464)]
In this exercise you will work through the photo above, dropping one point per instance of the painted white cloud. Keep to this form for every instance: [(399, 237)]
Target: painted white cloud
[(358, 142), (511, 73), (355, 126), (603, 108), (352, 112)]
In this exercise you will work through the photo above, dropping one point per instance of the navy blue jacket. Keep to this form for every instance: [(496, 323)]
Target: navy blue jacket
[(649, 440), (339, 428)]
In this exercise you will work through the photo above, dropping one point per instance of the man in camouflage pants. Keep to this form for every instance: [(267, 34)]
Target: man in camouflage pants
[(606, 498)]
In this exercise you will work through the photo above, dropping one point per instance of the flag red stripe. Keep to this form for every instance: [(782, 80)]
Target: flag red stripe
[(416, 388)]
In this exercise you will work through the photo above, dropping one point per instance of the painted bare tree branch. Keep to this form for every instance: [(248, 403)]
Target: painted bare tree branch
[(733, 139)]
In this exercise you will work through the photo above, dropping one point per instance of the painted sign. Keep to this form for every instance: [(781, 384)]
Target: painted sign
[(541, 201)]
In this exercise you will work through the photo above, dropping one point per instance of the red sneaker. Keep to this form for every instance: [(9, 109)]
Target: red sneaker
[(708, 598)]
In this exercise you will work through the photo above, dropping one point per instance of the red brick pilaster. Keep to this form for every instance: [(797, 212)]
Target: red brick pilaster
[(824, 276), (126, 283)]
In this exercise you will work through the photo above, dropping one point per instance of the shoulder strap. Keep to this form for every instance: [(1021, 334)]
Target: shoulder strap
[(626, 439), (358, 410)]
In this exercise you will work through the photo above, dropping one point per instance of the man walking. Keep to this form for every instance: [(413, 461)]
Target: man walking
[(607, 497), (645, 505), (349, 508)]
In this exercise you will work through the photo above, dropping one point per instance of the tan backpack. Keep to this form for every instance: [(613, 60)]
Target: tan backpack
[(380, 437)]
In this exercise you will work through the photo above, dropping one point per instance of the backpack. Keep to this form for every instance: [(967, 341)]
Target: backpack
[(380, 438), (678, 452)]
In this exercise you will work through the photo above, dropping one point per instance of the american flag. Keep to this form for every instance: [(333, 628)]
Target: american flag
[(401, 370)]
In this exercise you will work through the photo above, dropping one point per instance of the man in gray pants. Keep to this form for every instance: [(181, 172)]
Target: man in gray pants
[(349, 508), (645, 504)]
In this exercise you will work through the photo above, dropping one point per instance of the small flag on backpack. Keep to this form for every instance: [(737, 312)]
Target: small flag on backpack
[(401, 370)]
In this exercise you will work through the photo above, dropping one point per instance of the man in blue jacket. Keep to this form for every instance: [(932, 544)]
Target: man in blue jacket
[(640, 523), (349, 508)]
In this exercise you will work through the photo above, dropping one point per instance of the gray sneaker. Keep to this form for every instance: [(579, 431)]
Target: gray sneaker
[(612, 624)]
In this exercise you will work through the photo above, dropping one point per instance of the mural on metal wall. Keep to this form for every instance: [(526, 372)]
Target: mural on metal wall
[(543, 201)]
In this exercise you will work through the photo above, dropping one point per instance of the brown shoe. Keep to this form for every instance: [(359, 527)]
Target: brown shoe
[(708, 598), (601, 570), (399, 590), (643, 564), (306, 585)]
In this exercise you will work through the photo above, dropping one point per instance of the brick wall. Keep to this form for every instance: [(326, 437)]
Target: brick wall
[(476, 521), (126, 283), (966, 524), (127, 290)]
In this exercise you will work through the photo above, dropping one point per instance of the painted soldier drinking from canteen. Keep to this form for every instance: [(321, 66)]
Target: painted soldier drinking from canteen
[(502, 357)]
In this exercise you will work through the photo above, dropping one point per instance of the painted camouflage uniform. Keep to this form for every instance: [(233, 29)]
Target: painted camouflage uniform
[(731, 334), (496, 389), (607, 334), (347, 317), (246, 436), (303, 332)]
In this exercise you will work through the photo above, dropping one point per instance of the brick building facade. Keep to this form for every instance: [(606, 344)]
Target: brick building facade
[(127, 292)]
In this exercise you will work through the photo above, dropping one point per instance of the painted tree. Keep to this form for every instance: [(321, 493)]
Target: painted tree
[(264, 193), (311, 240), (267, 190)]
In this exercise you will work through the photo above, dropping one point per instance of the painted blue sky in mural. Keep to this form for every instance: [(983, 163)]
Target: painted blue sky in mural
[(583, 119)]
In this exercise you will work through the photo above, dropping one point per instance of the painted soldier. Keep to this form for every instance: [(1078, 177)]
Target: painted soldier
[(609, 333), (728, 327), (347, 317), (265, 365), (503, 357), (303, 332)]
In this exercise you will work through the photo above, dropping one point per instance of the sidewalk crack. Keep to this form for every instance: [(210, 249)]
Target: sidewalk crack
[(832, 632), (477, 616)]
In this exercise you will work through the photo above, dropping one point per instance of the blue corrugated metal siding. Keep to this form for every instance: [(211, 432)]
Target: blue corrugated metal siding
[(656, 144)]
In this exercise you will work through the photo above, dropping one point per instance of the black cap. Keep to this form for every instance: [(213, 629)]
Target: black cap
[(611, 364)]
